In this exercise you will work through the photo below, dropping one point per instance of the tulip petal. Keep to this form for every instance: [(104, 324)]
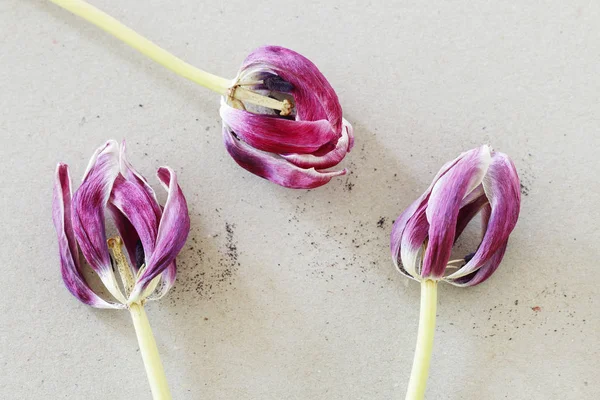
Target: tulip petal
[(413, 238), (69, 253), (167, 280), (89, 203), (502, 188), (483, 273), (444, 205), (396, 244), (132, 175), (172, 232), (470, 209), (142, 206), (314, 97), (277, 135), (273, 168), (130, 238), (396, 237), (329, 158), (132, 201)]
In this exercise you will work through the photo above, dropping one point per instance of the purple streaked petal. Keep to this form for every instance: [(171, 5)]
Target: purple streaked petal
[(132, 201), (314, 97), (444, 205), (413, 238), (167, 279), (130, 238), (144, 204), (277, 135), (132, 175), (172, 232), (397, 232), (502, 188), (89, 203), (67, 246), (407, 214), (274, 168), (483, 273), (469, 210), (330, 158)]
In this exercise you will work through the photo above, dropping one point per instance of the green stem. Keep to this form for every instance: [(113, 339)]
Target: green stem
[(154, 368), (420, 368), (215, 83), (143, 45)]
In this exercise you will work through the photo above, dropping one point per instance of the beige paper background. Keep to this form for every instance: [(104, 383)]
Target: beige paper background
[(301, 300)]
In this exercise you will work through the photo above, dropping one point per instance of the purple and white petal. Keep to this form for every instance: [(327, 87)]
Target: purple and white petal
[(67, 246), (483, 273), (502, 189), (89, 203), (277, 135), (274, 168), (314, 97), (469, 210), (128, 234), (172, 232), (328, 158), (406, 215), (167, 279), (444, 204), (132, 201), (413, 239), (132, 175)]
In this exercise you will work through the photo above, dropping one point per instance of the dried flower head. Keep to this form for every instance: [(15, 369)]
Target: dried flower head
[(152, 235), (478, 181), (295, 146)]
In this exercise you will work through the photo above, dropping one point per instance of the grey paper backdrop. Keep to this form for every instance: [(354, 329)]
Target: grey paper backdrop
[(288, 294)]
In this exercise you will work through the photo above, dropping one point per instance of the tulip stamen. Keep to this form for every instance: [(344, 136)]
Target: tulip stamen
[(129, 36), (242, 94), (127, 278), (455, 264)]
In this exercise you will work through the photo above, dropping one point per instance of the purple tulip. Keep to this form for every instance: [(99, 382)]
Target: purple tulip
[(294, 147), (152, 235), (479, 180)]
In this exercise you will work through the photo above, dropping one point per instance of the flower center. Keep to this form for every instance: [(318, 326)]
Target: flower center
[(115, 244), (238, 94)]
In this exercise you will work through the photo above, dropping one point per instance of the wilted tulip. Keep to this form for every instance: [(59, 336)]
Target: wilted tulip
[(478, 181), (281, 118), (291, 150), (152, 237)]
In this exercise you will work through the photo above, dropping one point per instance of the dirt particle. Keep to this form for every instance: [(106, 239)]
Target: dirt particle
[(381, 222), (524, 190), (536, 308)]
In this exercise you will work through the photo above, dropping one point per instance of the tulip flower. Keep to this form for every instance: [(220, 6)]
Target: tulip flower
[(282, 120), (152, 237), (479, 181), (293, 149)]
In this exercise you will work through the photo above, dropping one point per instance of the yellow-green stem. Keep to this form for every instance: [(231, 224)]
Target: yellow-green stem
[(143, 45), (154, 368), (420, 368)]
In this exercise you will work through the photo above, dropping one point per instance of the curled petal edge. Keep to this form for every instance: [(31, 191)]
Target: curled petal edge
[(274, 168), (67, 245)]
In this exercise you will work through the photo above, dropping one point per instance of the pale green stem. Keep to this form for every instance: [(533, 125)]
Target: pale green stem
[(420, 368), (216, 83), (154, 368)]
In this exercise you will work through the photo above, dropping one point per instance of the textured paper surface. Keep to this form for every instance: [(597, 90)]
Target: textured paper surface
[(292, 294)]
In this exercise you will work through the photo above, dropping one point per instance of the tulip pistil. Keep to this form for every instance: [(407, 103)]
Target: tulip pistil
[(127, 278), (240, 93)]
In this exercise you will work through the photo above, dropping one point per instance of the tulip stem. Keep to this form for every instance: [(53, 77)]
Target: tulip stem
[(210, 81), (154, 368), (420, 368)]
